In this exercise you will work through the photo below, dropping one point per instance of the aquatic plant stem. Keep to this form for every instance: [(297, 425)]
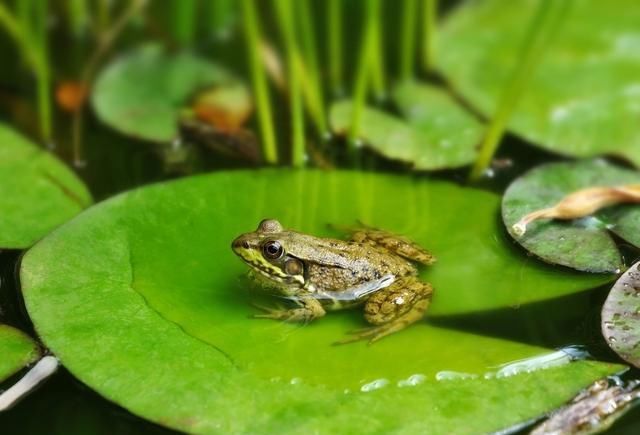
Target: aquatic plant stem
[(43, 76), (378, 79), (429, 14), (284, 12), (183, 21), (363, 74), (105, 42), (539, 33), (259, 79), (222, 16), (408, 27), (334, 45), (31, 38), (78, 16), (310, 56)]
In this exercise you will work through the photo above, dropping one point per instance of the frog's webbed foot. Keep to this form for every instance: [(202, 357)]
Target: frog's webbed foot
[(308, 310), (393, 309), (393, 243)]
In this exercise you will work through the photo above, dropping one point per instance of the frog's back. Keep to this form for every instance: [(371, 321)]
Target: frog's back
[(359, 264)]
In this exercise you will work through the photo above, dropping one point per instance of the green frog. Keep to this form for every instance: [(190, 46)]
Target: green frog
[(374, 269)]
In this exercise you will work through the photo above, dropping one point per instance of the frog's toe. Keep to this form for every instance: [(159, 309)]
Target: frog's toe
[(268, 309), (372, 334)]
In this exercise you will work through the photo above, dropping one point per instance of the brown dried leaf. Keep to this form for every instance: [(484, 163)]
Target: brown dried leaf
[(582, 203)]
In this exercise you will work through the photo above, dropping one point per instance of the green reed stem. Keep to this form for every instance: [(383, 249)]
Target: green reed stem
[(29, 32), (539, 33), (285, 15), (106, 39), (334, 45), (78, 16), (315, 98), (222, 16), (363, 72), (184, 21), (259, 80), (408, 39), (103, 14), (42, 71), (378, 79), (18, 29), (429, 15)]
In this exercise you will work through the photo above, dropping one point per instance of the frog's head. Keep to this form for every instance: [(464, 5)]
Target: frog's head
[(265, 251)]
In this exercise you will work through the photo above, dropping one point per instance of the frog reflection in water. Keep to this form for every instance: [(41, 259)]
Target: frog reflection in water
[(373, 268)]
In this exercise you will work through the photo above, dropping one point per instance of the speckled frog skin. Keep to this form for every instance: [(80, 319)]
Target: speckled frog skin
[(374, 269)]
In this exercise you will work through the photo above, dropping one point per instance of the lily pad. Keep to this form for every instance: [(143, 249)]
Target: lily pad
[(37, 191), (621, 316), (584, 244), (142, 93), (17, 350), (151, 290), (434, 133), (582, 99)]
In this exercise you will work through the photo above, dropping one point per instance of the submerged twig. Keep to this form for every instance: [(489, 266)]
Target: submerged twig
[(44, 368), (581, 203)]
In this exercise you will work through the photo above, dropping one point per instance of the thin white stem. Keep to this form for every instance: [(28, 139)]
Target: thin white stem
[(38, 373)]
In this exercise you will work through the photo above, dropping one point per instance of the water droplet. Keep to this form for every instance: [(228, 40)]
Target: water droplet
[(295, 381), (412, 381), (449, 375), (374, 385)]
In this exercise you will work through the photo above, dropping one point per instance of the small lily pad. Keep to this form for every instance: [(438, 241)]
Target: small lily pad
[(17, 350), (621, 316), (582, 99), (149, 277), (584, 244), (142, 93), (37, 191), (434, 133)]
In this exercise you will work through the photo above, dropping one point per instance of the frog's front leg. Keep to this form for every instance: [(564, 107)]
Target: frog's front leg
[(308, 309), (393, 309)]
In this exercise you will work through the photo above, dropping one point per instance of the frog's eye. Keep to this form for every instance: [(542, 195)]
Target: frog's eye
[(272, 249)]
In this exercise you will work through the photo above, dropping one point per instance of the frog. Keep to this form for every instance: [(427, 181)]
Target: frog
[(373, 268)]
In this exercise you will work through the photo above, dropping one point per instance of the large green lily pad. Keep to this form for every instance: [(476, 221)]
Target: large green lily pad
[(151, 290), (17, 350), (142, 93), (37, 191), (435, 132), (582, 99), (583, 244), (620, 316)]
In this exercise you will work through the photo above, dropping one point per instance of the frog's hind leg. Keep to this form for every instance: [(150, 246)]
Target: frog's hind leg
[(393, 243), (393, 309)]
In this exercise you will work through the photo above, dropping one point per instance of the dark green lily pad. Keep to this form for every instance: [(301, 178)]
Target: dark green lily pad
[(142, 93), (583, 97), (434, 133), (149, 276), (621, 316), (583, 244), (37, 191), (17, 350)]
